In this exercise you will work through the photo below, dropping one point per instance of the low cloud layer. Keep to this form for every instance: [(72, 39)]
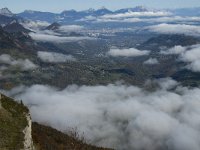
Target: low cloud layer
[(175, 29), (120, 116), (174, 50), (147, 17), (24, 64), (192, 56), (136, 14), (54, 57), (131, 52), (35, 25), (151, 61), (70, 28), (56, 38), (189, 54), (132, 16)]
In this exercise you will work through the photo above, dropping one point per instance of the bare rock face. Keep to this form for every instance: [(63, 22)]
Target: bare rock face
[(53, 26), (28, 142)]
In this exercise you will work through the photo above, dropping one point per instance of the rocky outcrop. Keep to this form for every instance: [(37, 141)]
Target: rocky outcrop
[(16, 125), (28, 142)]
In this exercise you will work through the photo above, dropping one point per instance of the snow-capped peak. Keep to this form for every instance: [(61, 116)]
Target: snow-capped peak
[(13, 22), (6, 12)]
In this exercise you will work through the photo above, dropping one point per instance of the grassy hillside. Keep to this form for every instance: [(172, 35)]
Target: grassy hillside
[(47, 138), (12, 123)]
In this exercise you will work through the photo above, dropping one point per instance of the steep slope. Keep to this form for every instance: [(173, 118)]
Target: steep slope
[(15, 129), (5, 19), (15, 27), (6, 16), (53, 26), (6, 12), (50, 139), (16, 43)]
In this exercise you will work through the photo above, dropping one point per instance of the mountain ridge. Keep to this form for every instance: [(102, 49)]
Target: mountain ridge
[(6, 12), (72, 15), (69, 16)]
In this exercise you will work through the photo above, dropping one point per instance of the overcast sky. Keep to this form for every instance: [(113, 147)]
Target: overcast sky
[(60, 5)]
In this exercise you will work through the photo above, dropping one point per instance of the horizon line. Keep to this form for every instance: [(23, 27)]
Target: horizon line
[(95, 9)]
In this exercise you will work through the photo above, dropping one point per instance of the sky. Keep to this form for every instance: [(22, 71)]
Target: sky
[(59, 5)]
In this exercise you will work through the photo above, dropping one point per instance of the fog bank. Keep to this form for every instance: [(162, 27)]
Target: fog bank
[(121, 116)]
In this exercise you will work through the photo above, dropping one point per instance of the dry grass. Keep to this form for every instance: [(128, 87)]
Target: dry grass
[(47, 138), (12, 123)]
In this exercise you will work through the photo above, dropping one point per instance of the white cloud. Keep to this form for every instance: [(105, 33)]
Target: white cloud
[(131, 52), (166, 83), (136, 14), (194, 66), (97, 20), (177, 18), (192, 56), (35, 25), (120, 116), (87, 18), (148, 19), (131, 17), (174, 50), (54, 57), (24, 64), (151, 61), (70, 28), (175, 29), (171, 19), (43, 37), (188, 54)]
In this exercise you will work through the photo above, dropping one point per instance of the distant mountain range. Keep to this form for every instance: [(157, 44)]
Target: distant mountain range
[(69, 16), (72, 15)]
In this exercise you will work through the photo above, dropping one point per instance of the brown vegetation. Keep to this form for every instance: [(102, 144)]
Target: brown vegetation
[(47, 138)]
